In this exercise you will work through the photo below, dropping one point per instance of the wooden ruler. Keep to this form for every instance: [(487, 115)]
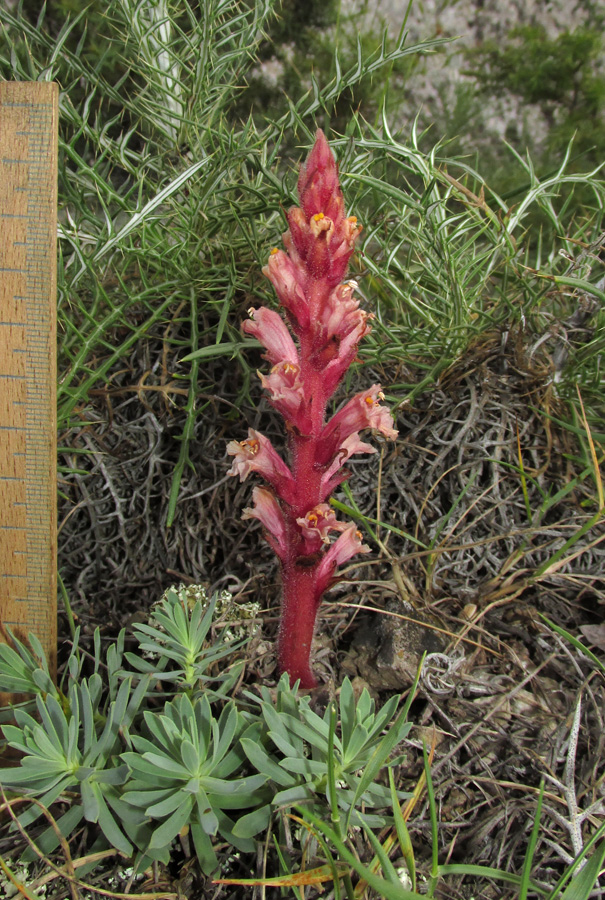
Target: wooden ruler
[(28, 234)]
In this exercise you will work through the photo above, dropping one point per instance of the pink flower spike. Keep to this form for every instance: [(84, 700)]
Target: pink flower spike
[(309, 353), (268, 327), (348, 545), (362, 411), (268, 511), (257, 454)]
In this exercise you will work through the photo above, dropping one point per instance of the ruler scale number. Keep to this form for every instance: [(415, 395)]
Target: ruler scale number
[(28, 210)]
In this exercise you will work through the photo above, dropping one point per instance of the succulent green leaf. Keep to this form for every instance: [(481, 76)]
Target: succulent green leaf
[(54, 722), (168, 830), (47, 747), (138, 796), (358, 749), (15, 738), (117, 712), (292, 795), (203, 847), (285, 746), (190, 757), (110, 828), (89, 736), (90, 801), (43, 681), (261, 761), (308, 731), (279, 731), (383, 717), (227, 723), (253, 823), (206, 815), (310, 768), (115, 775), (225, 794), (44, 776), (347, 712), (160, 765), (168, 805)]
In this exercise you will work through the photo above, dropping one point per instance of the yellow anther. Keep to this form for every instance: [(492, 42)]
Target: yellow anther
[(314, 515), (251, 445), (318, 217), (251, 312), (274, 251), (358, 535), (381, 395), (353, 220), (370, 401), (287, 368)]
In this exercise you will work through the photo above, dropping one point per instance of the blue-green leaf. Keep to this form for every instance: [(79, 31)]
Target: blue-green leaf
[(168, 830), (261, 760), (253, 823)]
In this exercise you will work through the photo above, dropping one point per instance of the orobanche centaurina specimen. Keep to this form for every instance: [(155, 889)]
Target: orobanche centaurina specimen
[(309, 356)]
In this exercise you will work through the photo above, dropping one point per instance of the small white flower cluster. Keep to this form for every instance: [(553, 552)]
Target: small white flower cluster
[(22, 875), (188, 593), (244, 616)]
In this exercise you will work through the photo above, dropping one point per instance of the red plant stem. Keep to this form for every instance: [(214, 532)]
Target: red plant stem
[(300, 596), (299, 611)]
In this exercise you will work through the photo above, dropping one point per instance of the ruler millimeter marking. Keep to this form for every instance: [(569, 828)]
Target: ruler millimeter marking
[(28, 259)]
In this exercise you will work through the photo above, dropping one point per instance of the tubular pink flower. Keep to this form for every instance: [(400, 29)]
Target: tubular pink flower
[(316, 526), (287, 394), (338, 314), (334, 475), (325, 317), (257, 454), (347, 348), (349, 544), (268, 511), (363, 411), (269, 328), (290, 284)]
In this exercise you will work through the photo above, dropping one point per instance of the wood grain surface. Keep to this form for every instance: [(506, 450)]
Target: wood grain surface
[(28, 234)]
